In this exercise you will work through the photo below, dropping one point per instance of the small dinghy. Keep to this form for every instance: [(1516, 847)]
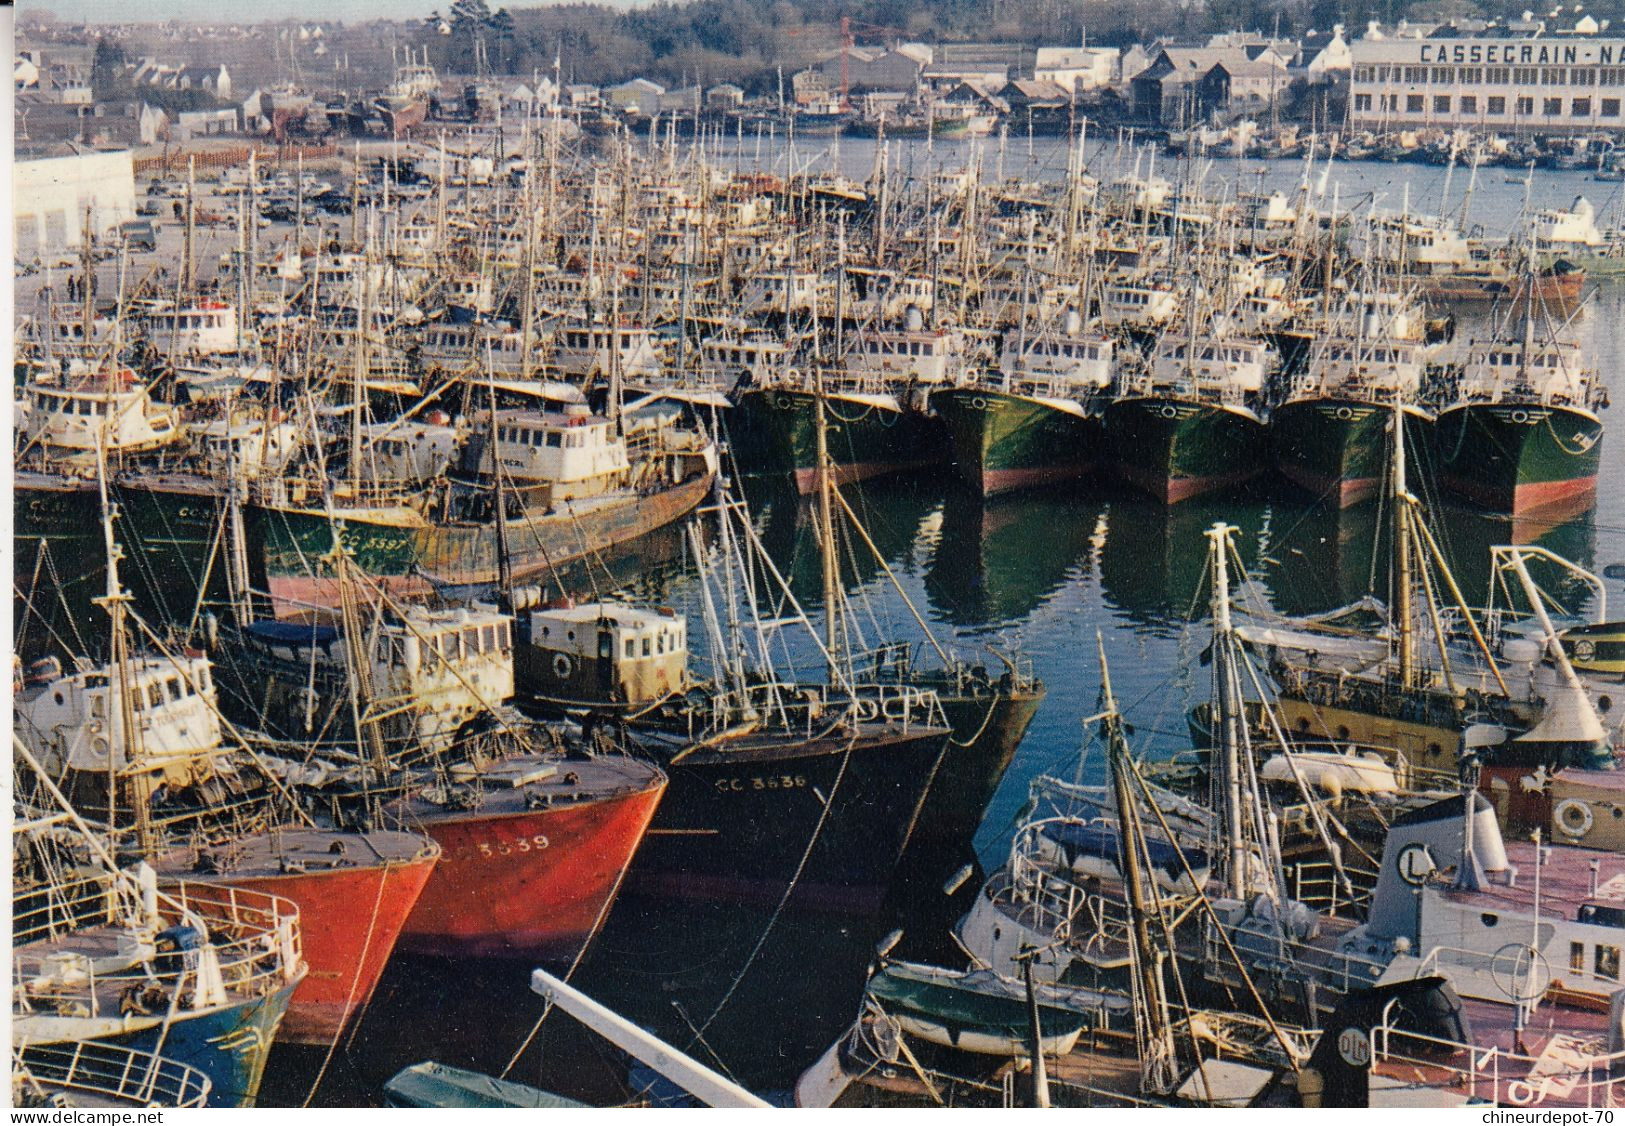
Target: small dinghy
[(979, 1011), (439, 1086)]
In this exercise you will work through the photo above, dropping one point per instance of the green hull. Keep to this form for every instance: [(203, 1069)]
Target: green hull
[(416, 557), (1176, 449), (1001, 442), (1339, 448), (1521, 459), (774, 435)]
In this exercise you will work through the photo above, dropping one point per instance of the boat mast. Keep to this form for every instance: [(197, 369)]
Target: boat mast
[(826, 531), (1227, 689), (114, 602), (1157, 1050), (1403, 609)]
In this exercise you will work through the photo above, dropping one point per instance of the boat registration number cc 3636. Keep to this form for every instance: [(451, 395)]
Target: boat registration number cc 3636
[(758, 782), (495, 850)]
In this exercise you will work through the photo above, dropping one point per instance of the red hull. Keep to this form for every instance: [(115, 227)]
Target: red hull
[(1558, 501), (996, 481), (1349, 492), (532, 884), (1174, 490), (850, 472), (349, 921)]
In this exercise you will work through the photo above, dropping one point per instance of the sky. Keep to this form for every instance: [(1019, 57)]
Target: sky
[(251, 11)]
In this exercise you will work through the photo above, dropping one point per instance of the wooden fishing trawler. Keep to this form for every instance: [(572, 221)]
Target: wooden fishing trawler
[(407, 724), (103, 957), (1193, 423), (1523, 434), (1039, 419), (1329, 433)]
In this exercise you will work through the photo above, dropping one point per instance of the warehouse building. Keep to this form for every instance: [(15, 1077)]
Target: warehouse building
[(50, 196), (1573, 83)]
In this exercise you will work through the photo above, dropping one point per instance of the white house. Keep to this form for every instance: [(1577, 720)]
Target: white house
[(1333, 59), (1076, 69), (637, 96)]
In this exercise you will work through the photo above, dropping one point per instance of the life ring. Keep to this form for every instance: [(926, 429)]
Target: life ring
[(1520, 417), (783, 402), (562, 666), (1573, 817), (1585, 649)]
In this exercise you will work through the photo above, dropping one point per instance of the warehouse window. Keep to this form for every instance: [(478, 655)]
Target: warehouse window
[(1581, 107), (1441, 103), (1469, 103), (1413, 103), (1496, 104), (1610, 107)]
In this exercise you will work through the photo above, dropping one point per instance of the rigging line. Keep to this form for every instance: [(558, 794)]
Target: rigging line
[(784, 899)]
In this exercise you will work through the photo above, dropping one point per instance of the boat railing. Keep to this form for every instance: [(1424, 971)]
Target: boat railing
[(251, 942), (1055, 904), (1496, 1074), (1512, 973), (110, 1072), (1321, 885)]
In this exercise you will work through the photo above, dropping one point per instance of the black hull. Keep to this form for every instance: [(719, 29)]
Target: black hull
[(816, 824)]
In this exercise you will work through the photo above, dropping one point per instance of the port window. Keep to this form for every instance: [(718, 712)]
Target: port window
[(554, 439), (155, 694), (1607, 962), (174, 690), (488, 639), (1577, 957)]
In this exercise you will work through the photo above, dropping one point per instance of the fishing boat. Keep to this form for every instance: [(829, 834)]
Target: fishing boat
[(1329, 434), (1523, 434), (198, 973), (1193, 423), (1039, 420)]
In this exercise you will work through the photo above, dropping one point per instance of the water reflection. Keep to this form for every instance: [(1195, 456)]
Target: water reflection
[(994, 561), (1155, 555)]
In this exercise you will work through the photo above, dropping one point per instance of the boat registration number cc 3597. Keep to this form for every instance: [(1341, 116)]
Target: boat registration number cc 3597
[(757, 782), (495, 850)]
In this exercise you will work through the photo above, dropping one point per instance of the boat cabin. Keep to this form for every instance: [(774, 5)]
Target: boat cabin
[(76, 420), (76, 721), (1083, 361), (572, 453), (432, 672), (1226, 366), (601, 654), (584, 350), (202, 329), (925, 356)]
